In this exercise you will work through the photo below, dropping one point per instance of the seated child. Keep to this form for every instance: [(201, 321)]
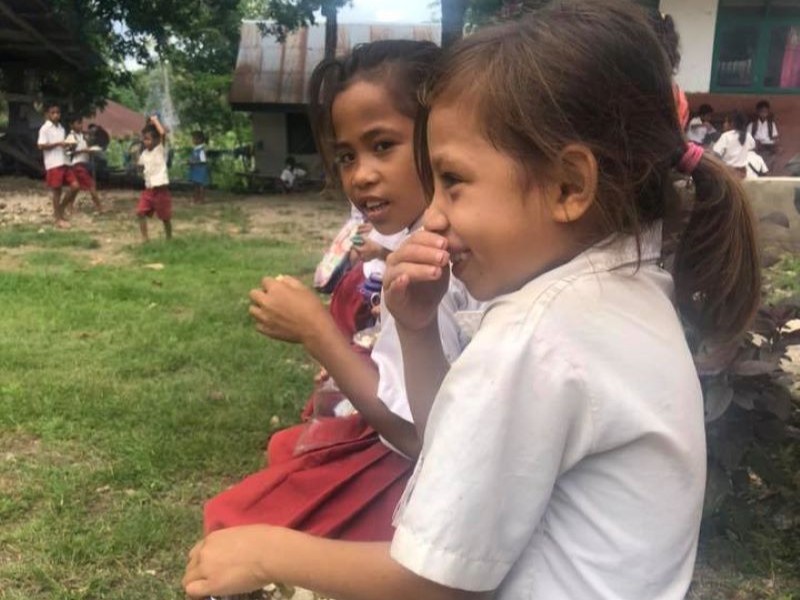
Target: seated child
[(291, 172), (341, 476), (561, 459), (764, 129)]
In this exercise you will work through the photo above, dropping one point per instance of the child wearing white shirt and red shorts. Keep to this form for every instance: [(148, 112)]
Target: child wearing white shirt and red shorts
[(155, 197), (52, 143)]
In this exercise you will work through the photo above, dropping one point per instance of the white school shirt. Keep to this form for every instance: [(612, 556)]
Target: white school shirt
[(155, 167), (755, 165), (762, 132), (81, 146), (50, 133), (732, 152), (564, 456)]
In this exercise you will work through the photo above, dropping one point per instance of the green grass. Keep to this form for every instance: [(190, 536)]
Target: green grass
[(128, 396), (29, 236)]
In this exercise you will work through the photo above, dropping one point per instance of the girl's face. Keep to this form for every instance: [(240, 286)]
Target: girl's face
[(148, 142), (77, 126), (374, 151), (500, 235)]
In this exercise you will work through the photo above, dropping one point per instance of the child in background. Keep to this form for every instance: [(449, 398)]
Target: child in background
[(198, 168), (765, 131), (155, 197), (52, 144), (346, 483), (735, 144), (289, 175), (756, 166), (700, 127), (79, 166), (561, 460)]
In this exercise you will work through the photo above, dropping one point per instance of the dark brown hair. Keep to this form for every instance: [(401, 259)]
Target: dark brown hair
[(593, 72), (401, 65)]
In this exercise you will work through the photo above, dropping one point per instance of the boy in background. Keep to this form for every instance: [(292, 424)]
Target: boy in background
[(79, 166), (155, 197), (52, 144)]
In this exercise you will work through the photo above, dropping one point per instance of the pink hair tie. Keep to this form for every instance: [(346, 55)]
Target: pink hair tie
[(690, 158)]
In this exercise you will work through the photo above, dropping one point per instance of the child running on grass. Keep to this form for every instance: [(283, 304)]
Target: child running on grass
[(52, 143), (561, 459), (345, 480), (155, 198), (79, 166)]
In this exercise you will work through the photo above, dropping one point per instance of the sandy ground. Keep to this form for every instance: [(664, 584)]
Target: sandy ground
[(312, 218)]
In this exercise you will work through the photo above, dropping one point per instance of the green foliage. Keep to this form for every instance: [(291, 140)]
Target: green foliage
[(130, 90), (753, 492), (285, 16)]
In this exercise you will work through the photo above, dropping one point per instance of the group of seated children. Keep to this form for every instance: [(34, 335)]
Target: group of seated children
[(67, 159), (747, 146), (548, 454)]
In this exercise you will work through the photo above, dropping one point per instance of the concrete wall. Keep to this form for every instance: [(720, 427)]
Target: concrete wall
[(270, 145), (696, 21), (777, 195)]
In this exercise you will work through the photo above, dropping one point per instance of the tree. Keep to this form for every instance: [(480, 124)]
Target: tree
[(453, 13), (285, 16), (477, 13)]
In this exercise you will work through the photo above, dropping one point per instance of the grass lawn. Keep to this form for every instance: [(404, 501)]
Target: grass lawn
[(128, 395), (133, 387)]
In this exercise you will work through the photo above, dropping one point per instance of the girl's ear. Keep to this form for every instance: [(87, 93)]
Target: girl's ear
[(577, 182)]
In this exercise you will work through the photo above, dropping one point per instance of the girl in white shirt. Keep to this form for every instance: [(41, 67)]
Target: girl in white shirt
[(564, 453), (734, 146)]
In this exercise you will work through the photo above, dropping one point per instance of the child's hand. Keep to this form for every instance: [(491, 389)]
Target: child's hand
[(227, 562), (369, 250), (416, 279), (285, 309)]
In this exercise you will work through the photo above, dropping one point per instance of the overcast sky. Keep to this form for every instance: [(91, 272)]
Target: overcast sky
[(390, 11)]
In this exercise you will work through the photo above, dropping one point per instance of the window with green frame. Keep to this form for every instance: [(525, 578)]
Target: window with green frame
[(757, 47)]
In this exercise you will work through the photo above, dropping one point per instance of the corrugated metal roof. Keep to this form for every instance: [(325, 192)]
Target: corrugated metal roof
[(268, 72)]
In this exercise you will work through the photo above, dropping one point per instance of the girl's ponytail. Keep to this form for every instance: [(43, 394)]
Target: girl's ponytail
[(717, 269)]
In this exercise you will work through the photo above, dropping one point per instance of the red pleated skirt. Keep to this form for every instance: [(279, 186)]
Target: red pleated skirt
[(344, 484), (329, 476)]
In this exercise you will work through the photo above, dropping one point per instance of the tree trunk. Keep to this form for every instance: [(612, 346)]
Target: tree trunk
[(452, 21), (331, 26)]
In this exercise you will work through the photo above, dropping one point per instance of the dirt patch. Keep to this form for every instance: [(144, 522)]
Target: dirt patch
[(312, 219)]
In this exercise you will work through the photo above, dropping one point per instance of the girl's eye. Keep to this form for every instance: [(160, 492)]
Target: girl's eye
[(449, 179), (344, 158), (383, 146)]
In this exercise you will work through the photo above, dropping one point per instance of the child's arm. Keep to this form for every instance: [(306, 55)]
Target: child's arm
[(159, 127), (416, 280), (285, 309), (241, 559)]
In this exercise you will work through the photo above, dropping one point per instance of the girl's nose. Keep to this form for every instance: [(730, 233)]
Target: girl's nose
[(434, 219), (364, 174)]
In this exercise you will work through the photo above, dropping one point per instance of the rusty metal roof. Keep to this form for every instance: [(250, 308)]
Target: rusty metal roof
[(270, 74)]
